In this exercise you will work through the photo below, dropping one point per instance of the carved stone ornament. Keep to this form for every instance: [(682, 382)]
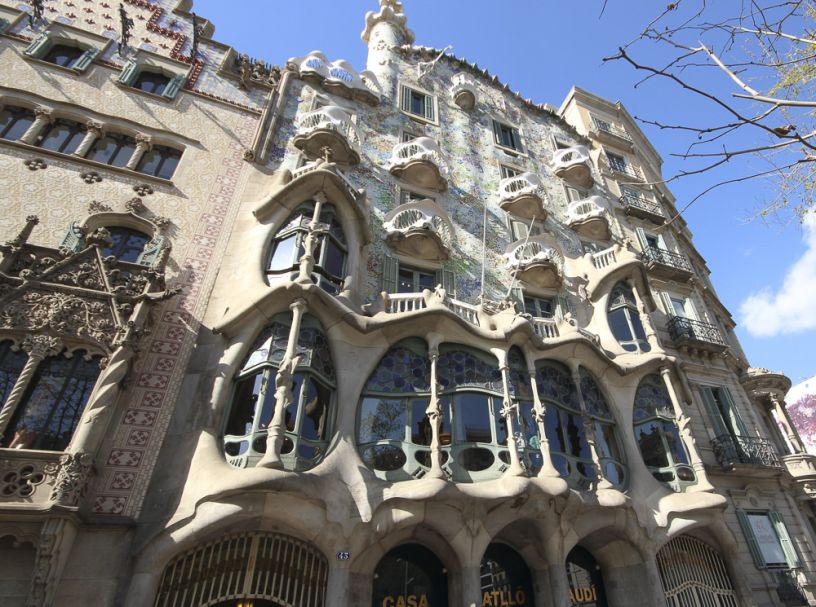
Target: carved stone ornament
[(34, 164), (143, 189), (91, 177), (41, 346), (134, 205), (98, 207), (72, 478)]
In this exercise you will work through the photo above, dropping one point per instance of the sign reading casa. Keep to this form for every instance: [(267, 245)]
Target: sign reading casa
[(409, 600)]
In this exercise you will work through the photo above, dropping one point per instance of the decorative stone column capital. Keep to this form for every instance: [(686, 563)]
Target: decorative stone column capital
[(71, 478), (144, 140), (299, 304), (42, 111), (41, 346), (95, 127)]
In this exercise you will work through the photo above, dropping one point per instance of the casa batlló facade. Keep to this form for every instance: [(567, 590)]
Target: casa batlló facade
[(382, 336)]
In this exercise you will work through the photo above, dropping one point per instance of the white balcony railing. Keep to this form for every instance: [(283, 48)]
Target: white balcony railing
[(421, 148), (330, 118), (397, 303), (418, 219), (419, 161), (573, 165), (527, 254), (588, 208), (467, 312), (419, 231), (523, 195), (545, 328)]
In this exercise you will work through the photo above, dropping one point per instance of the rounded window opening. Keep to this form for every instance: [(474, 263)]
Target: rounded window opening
[(505, 578), (63, 55), (307, 417), (624, 319), (586, 587), (410, 575), (127, 244)]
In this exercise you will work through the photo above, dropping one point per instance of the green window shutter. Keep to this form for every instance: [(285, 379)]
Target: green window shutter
[(389, 275), (496, 132), (406, 99), (447, 279), (39, 47), (150, 255), (713, 411), (784, 539), (74, 239), (517, 296), (174, 86), (4, 23), (733, 414), (129, 73), (85, 59), (759, 561), (667, 304), (641, 234), (429, 107)]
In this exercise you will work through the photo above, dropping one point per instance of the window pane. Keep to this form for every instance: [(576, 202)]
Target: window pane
[(334, 258), (405, 282), (552, 427), (63, 55), (14, 122), (652, 450), (283, 258), (501, 423), (382, 419), (244, 404), (315, 411), (417, 103), (619, 324), (575, 436), (168, 167), (127, 244), (676, 448), (151, 82), (420, 423), (11, 363), (123, 154), (427, 280), (472, 416)]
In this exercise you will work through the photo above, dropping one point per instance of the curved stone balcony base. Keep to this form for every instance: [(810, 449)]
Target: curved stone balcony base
[(422, 173), (596, 227), (577, 174), (573, 166), (543, 274), (324, 141), (525, 206), (422, 243)]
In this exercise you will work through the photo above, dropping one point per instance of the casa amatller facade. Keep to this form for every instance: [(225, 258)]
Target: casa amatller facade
[(313, 335)]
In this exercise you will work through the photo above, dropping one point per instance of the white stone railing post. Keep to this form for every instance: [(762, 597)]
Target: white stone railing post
[(283, 391), (38, 347), (508, 411), (683, 422), (539, 411)]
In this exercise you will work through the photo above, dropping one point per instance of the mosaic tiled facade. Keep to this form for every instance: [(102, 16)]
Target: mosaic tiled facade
[(328, 335)]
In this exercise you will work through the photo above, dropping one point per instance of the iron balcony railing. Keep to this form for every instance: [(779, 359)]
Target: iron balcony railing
[(681, 328), (731, 450), (788, 589), (667, 258), (612, 129), (636, 202)]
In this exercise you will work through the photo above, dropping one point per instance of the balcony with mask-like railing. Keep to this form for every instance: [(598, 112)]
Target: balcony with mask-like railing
[(328, 132), (419, 229), (536, 264), (573, 165), (464, 91), (667, 264), (523, 195), (732, 451), (606, 132), (588, 217), (691, 334), (643, 208), (419, 162)]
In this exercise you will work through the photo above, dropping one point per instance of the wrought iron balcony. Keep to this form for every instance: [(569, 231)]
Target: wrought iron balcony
[(606, 131), (523, 195), (643, 208), (329, 127), (573, 165), (730, 450), (696, 334), (667, 264), (789, 590), (419, 162), (588, 218)]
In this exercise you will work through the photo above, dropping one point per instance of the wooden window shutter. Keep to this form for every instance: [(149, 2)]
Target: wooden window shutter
[(174, 86), (667, 304), (496, 132), (733, 412), (753, 546), (517, 296), (129, 73), (447, 279), (405, 99), (429, 107), (150, 255), (713, 411), (85, 59), (641, 234), (74, 239), (389, 275), (791, 556), (39, 47)]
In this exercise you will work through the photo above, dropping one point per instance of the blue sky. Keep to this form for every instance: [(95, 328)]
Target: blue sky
[(541, 49)]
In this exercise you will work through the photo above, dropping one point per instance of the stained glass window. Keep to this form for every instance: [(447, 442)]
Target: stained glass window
[(11, 363), (624, 319)]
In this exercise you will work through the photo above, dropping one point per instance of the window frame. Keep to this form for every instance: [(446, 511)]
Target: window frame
[(12, 110), (56, 34), (76, 127), (632, 316), (430, 104), (144, 62), (391, 268), (515, 134), (783, 539)]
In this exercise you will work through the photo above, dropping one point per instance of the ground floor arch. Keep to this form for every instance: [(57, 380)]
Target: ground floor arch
[(410, 575), (694, 574), (586, 584)]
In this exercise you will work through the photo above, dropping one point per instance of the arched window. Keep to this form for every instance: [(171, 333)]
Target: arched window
[(586, 585), (505, 577), (330, 253), (62, 136), (160, 161), (53, 402), (14, 122), (657, 436), (520, 389), (410, 575), (63, 55), (127, 244), (564, 424), (624, 319), (11, 363), (151, 82), (307, 419), (694, 573), (113, 149)]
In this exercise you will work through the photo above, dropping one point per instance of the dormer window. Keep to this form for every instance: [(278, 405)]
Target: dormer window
[(151, 79), (151, 82), (63, 55)]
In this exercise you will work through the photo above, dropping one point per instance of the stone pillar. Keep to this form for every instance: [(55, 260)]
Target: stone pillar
[(434, 413), (790, 430), (93, 132), (589, 428), (143, 144), (307, 260), (509, 411), (283, 392), (384, 31), (471, 586), (683, 421), (37, 347), (648, 328), (539, 411), (338, 586), (41, 120), (56, 539)]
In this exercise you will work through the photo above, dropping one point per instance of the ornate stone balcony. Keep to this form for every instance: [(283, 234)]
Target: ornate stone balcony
[(536, 264), (338, 77), (331, 129), (637, 206), (694, 334), (750, 450), (802, 467), (588, 217), (463, 91), (523, 195), (37, 480), (573, 166), (420, 163), (667, 264), (420, 230)]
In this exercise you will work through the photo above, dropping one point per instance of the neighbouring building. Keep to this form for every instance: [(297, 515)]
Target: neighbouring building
[(317, 335)]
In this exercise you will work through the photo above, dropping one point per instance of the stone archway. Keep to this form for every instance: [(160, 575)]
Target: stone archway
[(410, 575), (694, 574)]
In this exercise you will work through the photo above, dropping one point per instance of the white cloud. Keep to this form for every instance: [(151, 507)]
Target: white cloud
[(793, 307)]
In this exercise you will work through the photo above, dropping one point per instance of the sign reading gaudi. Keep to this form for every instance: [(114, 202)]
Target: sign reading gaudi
[(585, 581)]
